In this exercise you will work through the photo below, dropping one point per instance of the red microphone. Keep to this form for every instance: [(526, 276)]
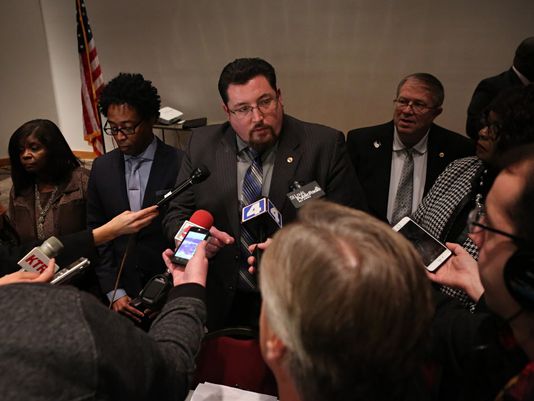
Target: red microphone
[(201, 218)]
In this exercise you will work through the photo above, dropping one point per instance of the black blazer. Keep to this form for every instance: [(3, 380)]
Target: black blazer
[(306, 152), (108, 197), (485, 92), (370, 150)]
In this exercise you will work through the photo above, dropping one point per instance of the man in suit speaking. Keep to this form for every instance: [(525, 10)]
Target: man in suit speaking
[(398, 162), (259, 151)]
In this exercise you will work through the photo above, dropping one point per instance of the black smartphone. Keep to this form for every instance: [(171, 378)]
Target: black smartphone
[(188, 246)]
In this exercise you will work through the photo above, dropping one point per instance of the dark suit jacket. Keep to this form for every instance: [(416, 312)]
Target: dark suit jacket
[(485, 92), (108, 197), (306, 152), (370, 150), (474, 353)]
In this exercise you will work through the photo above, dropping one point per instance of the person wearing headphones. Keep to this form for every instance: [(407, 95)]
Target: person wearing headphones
[(503, 278)]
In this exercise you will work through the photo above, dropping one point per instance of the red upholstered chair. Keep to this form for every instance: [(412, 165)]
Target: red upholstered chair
[(232, 357)]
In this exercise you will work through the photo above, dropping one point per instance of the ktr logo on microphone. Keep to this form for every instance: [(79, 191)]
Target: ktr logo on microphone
[(260, 207), (36, 263)]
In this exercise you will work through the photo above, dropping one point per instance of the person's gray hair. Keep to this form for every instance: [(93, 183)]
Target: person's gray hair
[(433, 84), (349, 298)]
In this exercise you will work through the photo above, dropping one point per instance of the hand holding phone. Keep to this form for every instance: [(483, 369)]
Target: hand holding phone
[(433, 252), (188, 246)]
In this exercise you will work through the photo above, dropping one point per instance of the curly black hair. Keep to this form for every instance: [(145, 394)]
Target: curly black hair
[(515, 117), (134, 90), (61, 161)]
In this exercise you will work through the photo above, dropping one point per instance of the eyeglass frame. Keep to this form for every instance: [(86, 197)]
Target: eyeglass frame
[(117, 129), (415, 105), (492, 128), (472, 221), (249, 109)]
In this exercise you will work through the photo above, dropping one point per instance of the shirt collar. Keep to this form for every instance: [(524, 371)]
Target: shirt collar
[(420, 147), (241, 144), (148, 153)]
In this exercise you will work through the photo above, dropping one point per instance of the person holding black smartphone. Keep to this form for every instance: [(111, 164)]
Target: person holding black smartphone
[(84, 351)]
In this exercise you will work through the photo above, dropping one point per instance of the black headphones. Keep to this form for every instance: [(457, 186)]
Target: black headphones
[(519, 277)]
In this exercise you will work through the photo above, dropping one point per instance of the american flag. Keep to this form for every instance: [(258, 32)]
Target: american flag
[(92, 81)]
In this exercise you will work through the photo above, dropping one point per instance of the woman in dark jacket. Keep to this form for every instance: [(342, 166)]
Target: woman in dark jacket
[(49, 185)]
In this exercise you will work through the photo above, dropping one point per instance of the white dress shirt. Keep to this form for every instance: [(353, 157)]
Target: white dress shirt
[(420, 157)]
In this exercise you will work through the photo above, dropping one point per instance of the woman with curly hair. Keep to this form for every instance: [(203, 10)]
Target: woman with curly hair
[(49, 190)]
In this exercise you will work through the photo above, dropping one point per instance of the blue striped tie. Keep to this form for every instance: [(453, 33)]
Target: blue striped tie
[(252, 183)]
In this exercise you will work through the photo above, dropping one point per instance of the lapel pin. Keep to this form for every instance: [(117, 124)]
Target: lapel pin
[(290, 159), (441, 154), (377, 144)]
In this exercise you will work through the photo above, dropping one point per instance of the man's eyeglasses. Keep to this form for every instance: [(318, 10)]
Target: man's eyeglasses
[(417, 106), (475, 224), (264, 106), (115, 129)]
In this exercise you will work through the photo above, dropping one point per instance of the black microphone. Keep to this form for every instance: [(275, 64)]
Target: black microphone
[(302, 194), (197, 175), (261, 218)]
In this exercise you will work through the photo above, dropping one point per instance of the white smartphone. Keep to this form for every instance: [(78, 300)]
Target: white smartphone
[(433, 252)]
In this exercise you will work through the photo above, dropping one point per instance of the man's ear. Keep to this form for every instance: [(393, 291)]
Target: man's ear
[(279, 95), (226, 109), (438, 111), (275, 349)]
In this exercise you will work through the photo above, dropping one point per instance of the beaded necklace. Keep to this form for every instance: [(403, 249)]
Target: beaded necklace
[(42, 211)]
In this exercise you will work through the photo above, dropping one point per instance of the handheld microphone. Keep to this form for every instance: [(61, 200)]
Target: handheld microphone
[(261, 218), (201, 218), (301, 194), (37, 259), (198, 175)]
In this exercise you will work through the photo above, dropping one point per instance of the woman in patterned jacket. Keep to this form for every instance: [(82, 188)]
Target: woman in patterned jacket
[(463, 185)]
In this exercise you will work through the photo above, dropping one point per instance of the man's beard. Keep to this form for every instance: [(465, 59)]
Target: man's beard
[(263, 142)]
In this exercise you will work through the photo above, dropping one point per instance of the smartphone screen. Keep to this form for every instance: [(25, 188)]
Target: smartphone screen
[(433, 252), (187, 248)]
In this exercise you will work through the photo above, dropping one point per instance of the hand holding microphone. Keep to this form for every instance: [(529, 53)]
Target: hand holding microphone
[(254, 249), (261, 219), (127, 222), (38, 258), (23, 276)]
